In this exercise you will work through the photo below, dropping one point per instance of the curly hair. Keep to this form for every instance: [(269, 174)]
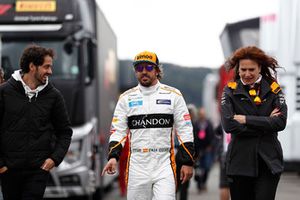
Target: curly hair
[(267, 63), (34, 54)]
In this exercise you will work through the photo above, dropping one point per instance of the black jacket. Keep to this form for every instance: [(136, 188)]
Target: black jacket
[(208, 140), (258, 137), (32, 130)]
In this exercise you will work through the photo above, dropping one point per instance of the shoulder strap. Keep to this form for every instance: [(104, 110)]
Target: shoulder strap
[(275, 88), (232, 85)]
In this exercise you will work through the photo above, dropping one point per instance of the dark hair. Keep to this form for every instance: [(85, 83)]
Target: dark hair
[(267, 63), (34, 54), (160, 74)]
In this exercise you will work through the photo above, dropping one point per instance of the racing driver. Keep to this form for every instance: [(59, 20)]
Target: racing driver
[(151, 113)]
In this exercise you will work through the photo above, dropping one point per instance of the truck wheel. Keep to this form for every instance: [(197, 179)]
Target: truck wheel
[(98, 194), (87, 197)]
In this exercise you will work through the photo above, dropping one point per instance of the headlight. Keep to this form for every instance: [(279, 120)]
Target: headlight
[(74, 152)]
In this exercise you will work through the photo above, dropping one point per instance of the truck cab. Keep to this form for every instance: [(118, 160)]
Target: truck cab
[(85, 70)]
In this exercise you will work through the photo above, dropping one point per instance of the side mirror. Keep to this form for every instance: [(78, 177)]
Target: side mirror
[(68, 47)]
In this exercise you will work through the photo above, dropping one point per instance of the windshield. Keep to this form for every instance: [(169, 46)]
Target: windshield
[(65, 63)]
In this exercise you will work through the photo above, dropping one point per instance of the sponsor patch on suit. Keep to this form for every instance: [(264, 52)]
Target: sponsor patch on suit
[(135, 103), (134, 98), (163, 101), (150, 121)]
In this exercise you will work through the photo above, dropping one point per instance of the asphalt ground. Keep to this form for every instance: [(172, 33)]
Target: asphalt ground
[(288, 188)]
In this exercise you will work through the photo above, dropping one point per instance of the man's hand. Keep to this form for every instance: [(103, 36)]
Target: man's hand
[(240, 118), (110, 167), (186, 173), (276, 112), (3, 169), (48, 164)]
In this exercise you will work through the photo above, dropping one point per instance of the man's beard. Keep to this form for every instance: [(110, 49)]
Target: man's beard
[(40, 80), (146, 83)]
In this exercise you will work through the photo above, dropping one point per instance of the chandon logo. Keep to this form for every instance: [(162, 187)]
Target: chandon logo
[(150, 121)]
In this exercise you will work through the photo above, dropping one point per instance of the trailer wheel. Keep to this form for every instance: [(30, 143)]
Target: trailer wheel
[(98, 194)]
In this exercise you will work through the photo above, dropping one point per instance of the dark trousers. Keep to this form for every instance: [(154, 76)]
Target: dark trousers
[(202, 168), (262, 187), (182, 188), (223, 177), (24, 184)]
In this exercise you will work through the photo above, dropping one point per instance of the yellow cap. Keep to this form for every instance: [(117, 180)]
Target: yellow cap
[(146, 56)]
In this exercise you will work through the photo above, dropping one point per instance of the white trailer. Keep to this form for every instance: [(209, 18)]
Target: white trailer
[(280, 36)]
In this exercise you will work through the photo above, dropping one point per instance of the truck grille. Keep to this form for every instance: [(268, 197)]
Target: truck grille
[(50, 181)]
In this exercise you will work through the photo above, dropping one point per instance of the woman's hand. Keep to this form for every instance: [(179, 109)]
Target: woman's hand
[(3, 169), (275, 113), (240, 119), (48, 164)]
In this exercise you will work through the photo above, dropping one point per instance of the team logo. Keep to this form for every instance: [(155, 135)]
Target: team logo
[(281, 99), (163, 101)]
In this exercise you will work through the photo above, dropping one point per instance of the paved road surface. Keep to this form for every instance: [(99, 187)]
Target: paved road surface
[(288, 189)]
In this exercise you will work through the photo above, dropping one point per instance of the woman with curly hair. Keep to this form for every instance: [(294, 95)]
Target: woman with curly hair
[(253, 112)]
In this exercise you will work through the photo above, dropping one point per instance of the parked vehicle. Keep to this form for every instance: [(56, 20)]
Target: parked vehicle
[(280, 36), (233, 36), (85, 71)]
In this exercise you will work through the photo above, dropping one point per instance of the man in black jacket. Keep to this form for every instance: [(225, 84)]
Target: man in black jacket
[(35, 131)]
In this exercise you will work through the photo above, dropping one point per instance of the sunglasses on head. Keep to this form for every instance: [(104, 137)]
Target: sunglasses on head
[(140, 68)]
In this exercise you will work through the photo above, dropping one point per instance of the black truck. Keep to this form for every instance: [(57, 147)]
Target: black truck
[(85, 71)]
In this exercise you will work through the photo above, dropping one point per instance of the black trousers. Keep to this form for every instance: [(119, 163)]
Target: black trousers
[(262, 187), (182, 188), (223, 177), (21, 184)]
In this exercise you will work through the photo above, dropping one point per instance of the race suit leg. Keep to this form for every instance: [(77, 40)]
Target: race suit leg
[(139, 187), (156, 184), (164, 187)]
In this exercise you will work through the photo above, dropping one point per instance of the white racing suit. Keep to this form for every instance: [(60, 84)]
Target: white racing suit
[(150, 114)]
